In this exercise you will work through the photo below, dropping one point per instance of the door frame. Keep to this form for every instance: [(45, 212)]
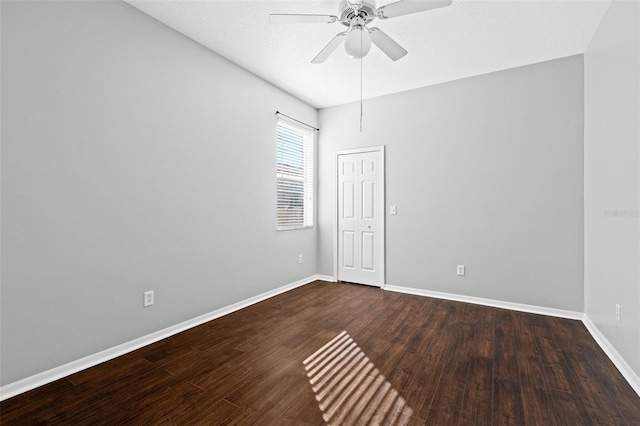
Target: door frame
[(382, 209)]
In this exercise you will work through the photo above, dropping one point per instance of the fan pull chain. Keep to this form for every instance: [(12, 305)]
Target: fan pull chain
[(361, 114)]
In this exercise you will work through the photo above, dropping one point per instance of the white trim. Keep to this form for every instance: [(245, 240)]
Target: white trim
[(383, 208), (326, 278), (360, 150), (489, 302), (622, 366), (32, 382), (627, 372)]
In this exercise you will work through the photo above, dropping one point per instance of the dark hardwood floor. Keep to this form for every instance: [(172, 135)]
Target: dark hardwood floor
[(401, 360)]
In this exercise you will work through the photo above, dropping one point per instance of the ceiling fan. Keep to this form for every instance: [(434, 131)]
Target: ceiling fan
[(357, 14)]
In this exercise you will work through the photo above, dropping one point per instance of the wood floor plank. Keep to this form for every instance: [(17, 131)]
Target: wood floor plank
[(303, 411), (536, 394), (477, 406), (212, 414), (116, 403), (166, 406), (507, 396), (446, 404), (507, 402), (555, 365), (422, 388), (200, 362), (601, 408), (473, 366), (569, 409), (275, 402), (425, 325), (39, 404), (420, 361)]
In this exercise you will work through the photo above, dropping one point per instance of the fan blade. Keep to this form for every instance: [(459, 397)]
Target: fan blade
[(285, 18), (329, 48), (392, 49), (407, 7)]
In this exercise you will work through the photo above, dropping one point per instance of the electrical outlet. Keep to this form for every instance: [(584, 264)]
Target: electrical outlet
[(460, 270), (300, 259), (617, 312), (148, 298)]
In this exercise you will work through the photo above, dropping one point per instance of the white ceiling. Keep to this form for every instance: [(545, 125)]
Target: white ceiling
[(468, 38)]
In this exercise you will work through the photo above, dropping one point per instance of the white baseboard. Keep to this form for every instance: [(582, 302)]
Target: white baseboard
[(489, 302), (326, 278), (627, 372), (24, 385), (613, 355)]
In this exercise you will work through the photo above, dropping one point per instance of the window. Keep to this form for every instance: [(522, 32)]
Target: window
[(294, 187)]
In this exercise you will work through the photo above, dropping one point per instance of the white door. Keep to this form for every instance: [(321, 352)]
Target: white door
[(360, 248)]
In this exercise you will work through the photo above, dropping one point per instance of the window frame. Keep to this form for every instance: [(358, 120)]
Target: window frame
[(287, 175)]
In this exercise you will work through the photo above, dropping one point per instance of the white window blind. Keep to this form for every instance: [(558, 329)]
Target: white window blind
[(294, 171)]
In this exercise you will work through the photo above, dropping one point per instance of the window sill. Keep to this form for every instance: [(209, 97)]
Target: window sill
[(294, 229)]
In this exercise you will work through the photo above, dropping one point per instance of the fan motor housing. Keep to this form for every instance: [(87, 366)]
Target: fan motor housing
[(347, 12)]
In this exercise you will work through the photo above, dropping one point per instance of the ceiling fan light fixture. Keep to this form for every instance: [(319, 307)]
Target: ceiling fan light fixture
[(358, 42), (356, 15)]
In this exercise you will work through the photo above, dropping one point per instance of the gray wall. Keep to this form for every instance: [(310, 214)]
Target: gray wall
[(612, 179), (132, 159), (486, 172)]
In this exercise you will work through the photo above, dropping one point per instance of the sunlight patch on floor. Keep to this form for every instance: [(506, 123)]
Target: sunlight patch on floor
[(350, 389)]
